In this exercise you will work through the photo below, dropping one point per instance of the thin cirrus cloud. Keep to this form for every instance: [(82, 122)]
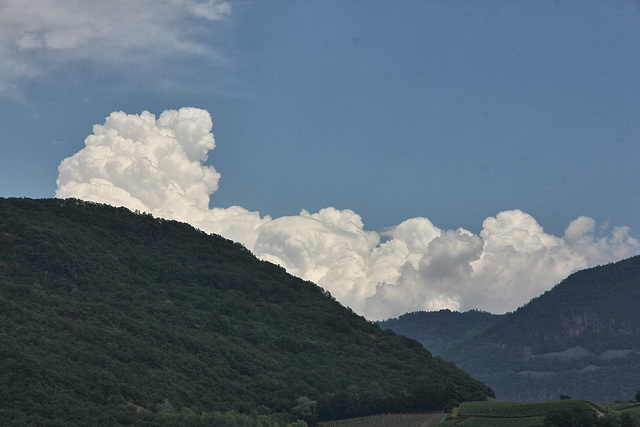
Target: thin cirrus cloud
[(156, 165), (38, 37)]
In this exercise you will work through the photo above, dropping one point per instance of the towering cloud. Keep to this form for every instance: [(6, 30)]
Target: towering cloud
[(156, 166)]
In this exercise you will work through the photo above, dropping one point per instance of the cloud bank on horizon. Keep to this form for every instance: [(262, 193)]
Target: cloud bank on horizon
[(156, 165)]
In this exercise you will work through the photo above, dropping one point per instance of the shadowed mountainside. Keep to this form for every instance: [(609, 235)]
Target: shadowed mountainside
[(109, 316), (581, 338), (440, 330)]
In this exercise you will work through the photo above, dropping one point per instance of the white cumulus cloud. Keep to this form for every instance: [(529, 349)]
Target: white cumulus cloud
[(156, 165), (37, 37)]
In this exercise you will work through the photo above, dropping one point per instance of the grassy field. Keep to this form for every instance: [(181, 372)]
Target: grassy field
[(631, 407), (494, 422), (492, 413), (497, 409), (390, 420)]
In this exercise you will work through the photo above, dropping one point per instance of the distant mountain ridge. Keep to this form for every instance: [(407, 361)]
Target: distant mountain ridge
[(109, 317), (581, 338), (440, 330), (597, 307)]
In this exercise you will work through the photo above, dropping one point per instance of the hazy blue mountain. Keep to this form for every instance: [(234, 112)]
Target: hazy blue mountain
[(581, 338), (440, 330), (113, 317)]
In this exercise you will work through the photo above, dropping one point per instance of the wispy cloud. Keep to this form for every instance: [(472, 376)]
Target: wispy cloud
[(156, 166), (39, 37)]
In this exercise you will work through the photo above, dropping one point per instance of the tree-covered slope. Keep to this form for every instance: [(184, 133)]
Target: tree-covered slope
[(108, 316), (440, 330), (581, 338)]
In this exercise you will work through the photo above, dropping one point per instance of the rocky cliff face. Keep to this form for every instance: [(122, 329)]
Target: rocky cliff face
[(577, 324)]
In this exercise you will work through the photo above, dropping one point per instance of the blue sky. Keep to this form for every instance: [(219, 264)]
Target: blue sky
[(450, 110)]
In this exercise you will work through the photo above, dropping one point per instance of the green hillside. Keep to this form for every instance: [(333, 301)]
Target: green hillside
[(581, 338), (110, 317), (559, 413), (596, 308)]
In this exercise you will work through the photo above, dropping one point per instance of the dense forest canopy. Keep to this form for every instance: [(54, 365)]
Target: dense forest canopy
[(109, 316)]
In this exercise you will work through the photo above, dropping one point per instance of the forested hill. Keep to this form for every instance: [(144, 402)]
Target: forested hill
[(596, 308), (108, 316), (581, 338)]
